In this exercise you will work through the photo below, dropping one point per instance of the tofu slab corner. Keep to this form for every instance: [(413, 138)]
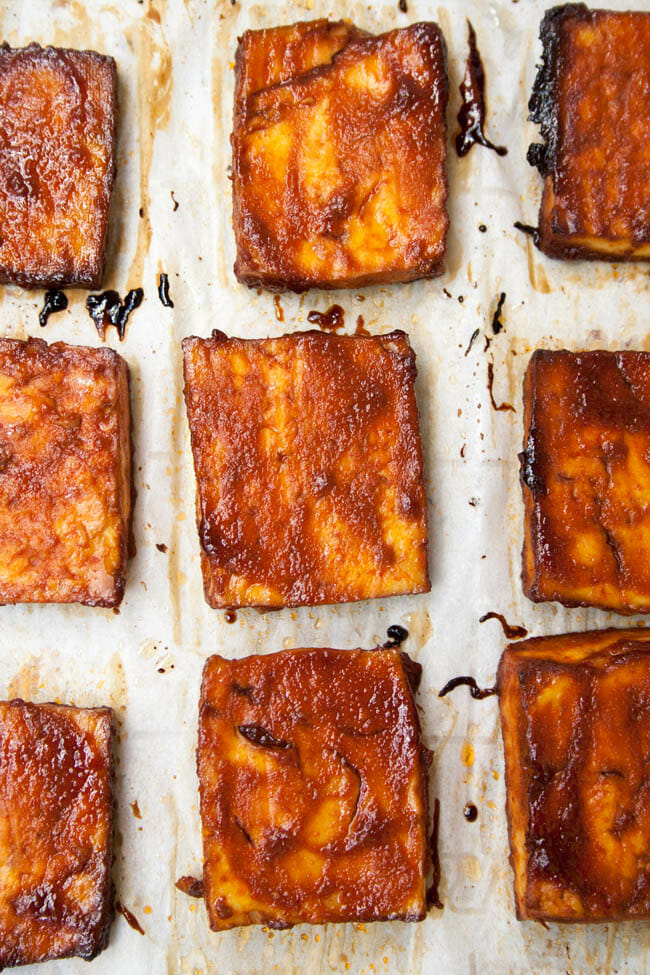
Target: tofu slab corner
[(313, 789), (65, 473), (590, 98), (309, 468), (58, 117), (575, 716), (339, 152), (56, 831)]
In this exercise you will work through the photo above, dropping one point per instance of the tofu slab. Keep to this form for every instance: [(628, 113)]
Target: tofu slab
[(65, 473), (313, 788), (585, 473), (591, 101), (58, 117), (56, 831), (309, 468), (575, 713), (339, 149)]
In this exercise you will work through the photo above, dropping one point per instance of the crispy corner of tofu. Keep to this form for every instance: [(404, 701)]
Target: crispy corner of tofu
[(56, 831), (58, 114), (333, 823), (314, 207), (65, 473)]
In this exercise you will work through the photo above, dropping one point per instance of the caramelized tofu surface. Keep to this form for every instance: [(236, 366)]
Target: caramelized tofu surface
[(339, 148), (585, 474), (313, 788), (575, 713), (309, 468), (65, 473), (591, 100), (58, 115), (56, 831)]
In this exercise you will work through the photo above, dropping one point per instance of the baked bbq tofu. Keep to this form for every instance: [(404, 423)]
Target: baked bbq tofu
[(339, 148), (313, 788), (575, 713), (309, 468), (56, 831), (585, 473), (65, 473), (591, 101), (58, 113)]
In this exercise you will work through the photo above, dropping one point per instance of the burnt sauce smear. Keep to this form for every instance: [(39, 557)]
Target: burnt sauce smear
[(478, 693), (330, 320), (129, 917), (497, 324), (108, 308), (54, 301), (433, 895), (191, 886), (500, 408), (163, 291), (471, 116), (527, 229), (511, 631), (260, 736), (474, 336)]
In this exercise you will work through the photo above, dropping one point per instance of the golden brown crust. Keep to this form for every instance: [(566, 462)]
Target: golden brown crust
[(309, 468), (56, 831), (590, 98), (339, 148), (313, 789), (65, 473), (586, 477), (576, 725), (58, 116)]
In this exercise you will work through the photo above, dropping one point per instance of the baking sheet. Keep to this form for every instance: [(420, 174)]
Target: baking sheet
[(175, 66)]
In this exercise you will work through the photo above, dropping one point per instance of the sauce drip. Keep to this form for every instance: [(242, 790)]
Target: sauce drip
[(470, 812), (129, 917), (279, 311), (433, 896), (330, 320), (191, 886), (135, 809), (497, 324), (475, 335), (163, 291), (490, 383), (471, 116), (402, 6), (230, 616), (478, 693), (108, 308), (361, 327), (174, 201), (396, 635), (527, 229), (54, 301), (512, 632)]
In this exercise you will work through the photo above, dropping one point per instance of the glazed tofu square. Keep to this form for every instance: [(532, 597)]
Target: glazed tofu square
[(308, 466), (58, 113), (591, 101), (65, 474), (339, 149), (313, 789), (56, 831), (585, 473), (575, 714)]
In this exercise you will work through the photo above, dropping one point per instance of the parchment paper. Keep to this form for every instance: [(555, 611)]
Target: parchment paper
[(175, 64)]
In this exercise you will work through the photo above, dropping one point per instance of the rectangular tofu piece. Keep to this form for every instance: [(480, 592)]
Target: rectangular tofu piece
[(313, 788), (58, 114), (575, 713), (591, 101), (65, 473), (309, 468), (339, 150), (585, 473), (56, 831)]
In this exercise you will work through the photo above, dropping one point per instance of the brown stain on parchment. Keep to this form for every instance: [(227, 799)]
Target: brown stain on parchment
[(154, 85), (26, 682)]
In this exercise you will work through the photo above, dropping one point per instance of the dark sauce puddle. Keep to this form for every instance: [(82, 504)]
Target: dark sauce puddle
[(330, 321), (108, 308), (471, 116), (396, 635), (163, 291), (54, 301)]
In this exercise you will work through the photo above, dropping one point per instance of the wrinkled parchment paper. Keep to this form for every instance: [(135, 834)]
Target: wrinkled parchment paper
[(175, 65)]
